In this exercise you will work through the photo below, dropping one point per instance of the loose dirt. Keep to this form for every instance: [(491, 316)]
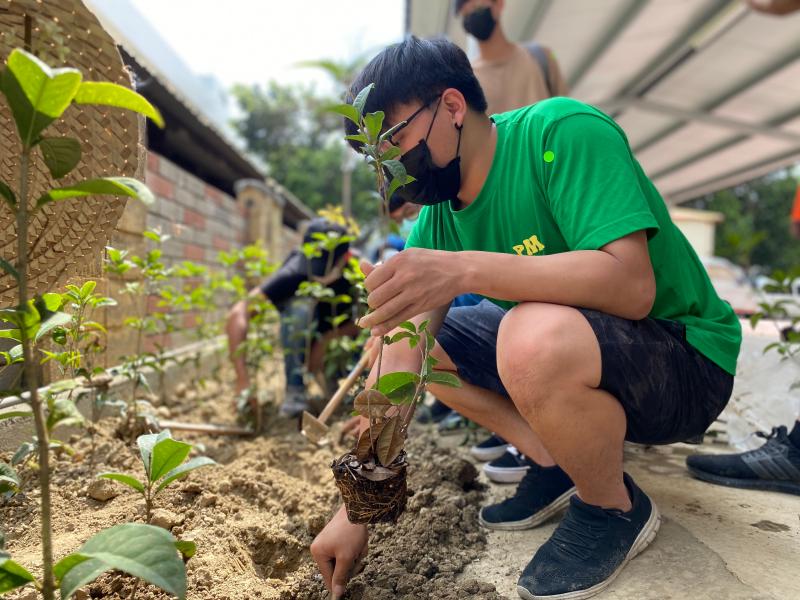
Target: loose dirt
[(254, 516)]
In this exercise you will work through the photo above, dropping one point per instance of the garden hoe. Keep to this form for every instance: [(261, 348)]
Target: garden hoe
[(314, 428)]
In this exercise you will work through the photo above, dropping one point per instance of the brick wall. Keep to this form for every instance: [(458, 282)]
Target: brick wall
[(201, 220)]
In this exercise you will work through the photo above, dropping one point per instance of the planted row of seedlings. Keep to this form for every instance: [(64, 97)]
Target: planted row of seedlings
[(63, 328)]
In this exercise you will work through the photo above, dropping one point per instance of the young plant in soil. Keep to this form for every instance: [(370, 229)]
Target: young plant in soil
[(372, 476), (152, 272), (162, 459), (259, 345), (81, 340), (37, 96)]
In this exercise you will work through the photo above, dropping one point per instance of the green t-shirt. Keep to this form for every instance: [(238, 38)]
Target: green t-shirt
[(564, 178)]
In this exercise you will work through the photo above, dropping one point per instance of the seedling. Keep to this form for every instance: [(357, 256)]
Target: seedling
[(163, 461), (38, 95), (372, 476)]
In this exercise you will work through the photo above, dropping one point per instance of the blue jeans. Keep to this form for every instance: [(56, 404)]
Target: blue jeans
[(295, 326)]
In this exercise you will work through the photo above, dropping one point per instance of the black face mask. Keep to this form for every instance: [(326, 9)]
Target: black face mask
[(480, 23), (433, 184)]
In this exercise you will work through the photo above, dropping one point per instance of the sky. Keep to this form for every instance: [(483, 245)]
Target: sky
[(253, 41)]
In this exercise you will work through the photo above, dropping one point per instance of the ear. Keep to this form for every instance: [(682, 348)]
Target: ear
[(456, 106), (497, 8)]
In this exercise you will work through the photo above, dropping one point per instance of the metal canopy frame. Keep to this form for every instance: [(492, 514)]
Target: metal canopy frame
[(679, 69)]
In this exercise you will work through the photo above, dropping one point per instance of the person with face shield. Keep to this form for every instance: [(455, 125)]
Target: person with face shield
[(598, 322), (511, 75)]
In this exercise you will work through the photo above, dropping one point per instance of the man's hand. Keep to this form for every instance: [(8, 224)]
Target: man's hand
[(408, 284), (337, 550)]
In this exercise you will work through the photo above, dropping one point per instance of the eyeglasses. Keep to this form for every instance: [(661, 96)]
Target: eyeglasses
[(404, 124)]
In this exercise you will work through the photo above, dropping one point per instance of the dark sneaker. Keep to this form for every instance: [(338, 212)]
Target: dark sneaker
[(433, 413), (775, 466), (542, 492), (491, 448), (509, 468), (589, 548), (452, 423)]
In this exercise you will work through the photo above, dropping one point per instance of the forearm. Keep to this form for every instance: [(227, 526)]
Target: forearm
[(586, 278)]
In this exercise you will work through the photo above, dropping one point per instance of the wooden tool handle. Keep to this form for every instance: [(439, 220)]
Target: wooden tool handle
[(334, 402)]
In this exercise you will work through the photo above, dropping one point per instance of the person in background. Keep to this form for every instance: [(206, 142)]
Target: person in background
[(511, 75), (296, 314), (775, 466)]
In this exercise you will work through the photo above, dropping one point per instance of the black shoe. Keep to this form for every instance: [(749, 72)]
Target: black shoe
[(775, 466), (541, 494), (491, 448), (589, 548), (509, 468), (433, 413), (452, 423)]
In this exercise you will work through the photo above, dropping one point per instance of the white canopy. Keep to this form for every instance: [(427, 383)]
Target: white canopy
[(708, 91)]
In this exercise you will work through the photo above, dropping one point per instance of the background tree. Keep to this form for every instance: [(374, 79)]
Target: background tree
[(756, 226)]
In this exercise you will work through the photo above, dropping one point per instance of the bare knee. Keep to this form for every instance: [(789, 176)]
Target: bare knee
[(537, 356)]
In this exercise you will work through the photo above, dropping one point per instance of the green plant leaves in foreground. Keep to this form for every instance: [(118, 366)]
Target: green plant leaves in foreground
[(61, 155), (104, 186), (128, 480), (12, 575), (37, 94), (9, 480), (111, 94), (184, 469), (143, 551)]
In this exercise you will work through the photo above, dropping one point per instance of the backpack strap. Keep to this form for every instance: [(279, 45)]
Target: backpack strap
[(539, 54)]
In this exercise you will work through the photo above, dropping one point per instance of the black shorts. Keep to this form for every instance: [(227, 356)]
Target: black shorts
[(668, 390)]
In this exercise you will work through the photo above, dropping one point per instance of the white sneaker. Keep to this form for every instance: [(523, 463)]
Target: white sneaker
[(509, 468)]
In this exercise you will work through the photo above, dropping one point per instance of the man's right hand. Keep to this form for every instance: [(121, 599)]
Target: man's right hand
[(337, 549)]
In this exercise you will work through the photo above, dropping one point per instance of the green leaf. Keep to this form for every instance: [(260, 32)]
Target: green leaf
[(105, 93), (146, 443), (128, 480), (347, 111), (400, 335), (184, 469), (105, 186), (444, 378), (397, 184), (51, 301), (56, 320), (9, 480), (373, 123), (15, 414), (8, 268), (37, 94), (396, 169), (62, 412), (361, 99), (187, 548), (8, 195), (87, 288), (143, 551), (391, 153), (167, 454), (61, 155), (25, 450), (409, 326), (12, 575), (393, 384), (358, 137)]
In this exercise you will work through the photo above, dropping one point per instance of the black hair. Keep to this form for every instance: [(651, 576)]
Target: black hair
[(319, 264), (415, 70), (459, 4)]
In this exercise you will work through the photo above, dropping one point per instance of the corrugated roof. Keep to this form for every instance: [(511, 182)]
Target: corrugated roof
[(708, 91)]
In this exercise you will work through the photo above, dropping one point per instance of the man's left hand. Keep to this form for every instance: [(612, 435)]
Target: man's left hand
[(412, 282)]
